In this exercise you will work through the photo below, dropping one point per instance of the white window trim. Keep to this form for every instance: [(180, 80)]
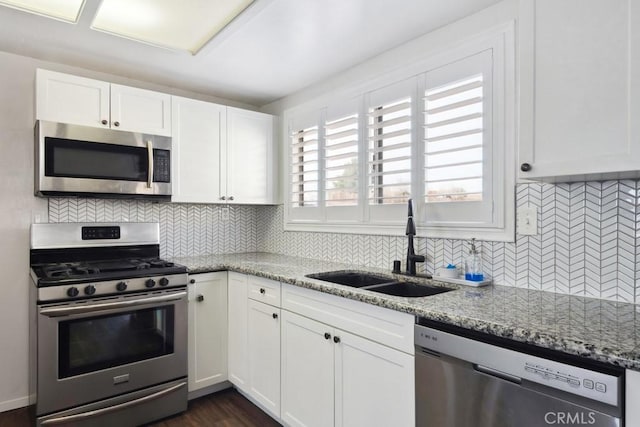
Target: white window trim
[(502, 40)]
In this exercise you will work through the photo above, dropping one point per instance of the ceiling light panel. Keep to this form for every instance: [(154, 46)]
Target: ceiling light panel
[(181, 25), (64, 10)]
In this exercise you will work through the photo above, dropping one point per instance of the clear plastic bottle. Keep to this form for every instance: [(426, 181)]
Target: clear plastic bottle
[(473, 264)]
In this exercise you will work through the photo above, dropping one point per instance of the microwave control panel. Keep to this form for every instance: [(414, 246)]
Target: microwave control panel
[(161, 166)]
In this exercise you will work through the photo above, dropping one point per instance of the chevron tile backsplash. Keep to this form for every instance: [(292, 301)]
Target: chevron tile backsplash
[(185, 229), (587, 241)]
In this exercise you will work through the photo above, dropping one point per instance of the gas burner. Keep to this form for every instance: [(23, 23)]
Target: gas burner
[(67, 270)]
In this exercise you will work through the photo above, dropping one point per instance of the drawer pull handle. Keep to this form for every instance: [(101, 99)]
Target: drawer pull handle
[(262, 291)]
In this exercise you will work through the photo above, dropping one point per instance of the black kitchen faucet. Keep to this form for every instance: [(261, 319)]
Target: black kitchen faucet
[(412, 258)]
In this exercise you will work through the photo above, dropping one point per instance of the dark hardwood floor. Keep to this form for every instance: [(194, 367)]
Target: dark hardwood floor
[(226, 408)]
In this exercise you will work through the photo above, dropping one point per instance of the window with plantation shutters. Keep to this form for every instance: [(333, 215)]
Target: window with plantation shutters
[(305, 171), (440, 132), (341, 161)]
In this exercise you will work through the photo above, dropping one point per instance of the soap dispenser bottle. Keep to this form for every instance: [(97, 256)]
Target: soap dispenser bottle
[(473, 264)]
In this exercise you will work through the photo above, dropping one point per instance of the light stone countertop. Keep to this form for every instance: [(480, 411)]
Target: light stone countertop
[(601, 330)]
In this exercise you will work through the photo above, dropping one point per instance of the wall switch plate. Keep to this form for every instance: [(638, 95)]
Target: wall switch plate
[(528, 221), (224, 213)]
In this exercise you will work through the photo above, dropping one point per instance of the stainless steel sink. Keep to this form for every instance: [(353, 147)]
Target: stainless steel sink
[(381, 284)]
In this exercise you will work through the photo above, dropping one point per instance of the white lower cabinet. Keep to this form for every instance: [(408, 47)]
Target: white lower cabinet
[(207, 363), (331, 377), (632, 398), (238, 321), (313, 359), (264, 355), (307, 372), (254, 340), (374, 384)]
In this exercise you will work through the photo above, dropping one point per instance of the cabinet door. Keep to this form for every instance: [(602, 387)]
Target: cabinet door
[(70, 99), (307, 372), (632, 398), (374, 384), (580, 89), (250, 154), (139, 110), (264, 355), (207, 329), (198, 131), (238, 322)]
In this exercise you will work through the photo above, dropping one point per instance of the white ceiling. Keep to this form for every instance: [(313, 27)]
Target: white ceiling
[(275, 48)]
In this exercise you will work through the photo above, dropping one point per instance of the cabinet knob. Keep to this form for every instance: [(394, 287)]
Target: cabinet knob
[(336, 340), (327, 335), (275, 315), (230, 197), (200, 298), (116, 124), (192, 281), (262, 291), (525, 167), (223, 198), (104, 122)]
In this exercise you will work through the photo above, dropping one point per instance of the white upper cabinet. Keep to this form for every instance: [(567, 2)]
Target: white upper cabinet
[(580, 90), (198, 132), (139, 110), (250, 154), (222, 154), (70, 99), (77, 100)]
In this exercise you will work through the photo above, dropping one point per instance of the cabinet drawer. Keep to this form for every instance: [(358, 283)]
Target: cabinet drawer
[(264, 290), (382, 325)]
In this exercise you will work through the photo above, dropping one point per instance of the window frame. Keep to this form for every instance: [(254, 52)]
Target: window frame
[(500, 40)]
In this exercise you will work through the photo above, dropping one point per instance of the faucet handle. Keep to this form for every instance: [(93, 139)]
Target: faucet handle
[(418, 258)]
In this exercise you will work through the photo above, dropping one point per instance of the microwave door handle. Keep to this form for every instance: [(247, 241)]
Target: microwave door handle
[(150, 156)]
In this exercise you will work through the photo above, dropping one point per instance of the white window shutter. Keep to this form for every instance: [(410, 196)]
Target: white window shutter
[(390, 136), (304, 168), (458, 129)]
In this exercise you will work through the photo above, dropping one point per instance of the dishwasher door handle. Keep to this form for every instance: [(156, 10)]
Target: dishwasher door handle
[(498, 374)]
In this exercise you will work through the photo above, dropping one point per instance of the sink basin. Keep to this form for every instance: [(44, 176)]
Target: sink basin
[(407, 289), (350, 278), (373, 283)]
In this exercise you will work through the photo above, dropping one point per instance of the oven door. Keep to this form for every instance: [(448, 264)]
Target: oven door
[(81, 159), (95, 349)]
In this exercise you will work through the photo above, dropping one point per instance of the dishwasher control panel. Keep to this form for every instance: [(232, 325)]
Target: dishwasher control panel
[(573, 379)]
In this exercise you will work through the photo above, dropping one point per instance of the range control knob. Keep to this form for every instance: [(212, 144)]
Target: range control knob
[(73, 292), (90, 290), (121, 286), (164, 281), (150, 283)]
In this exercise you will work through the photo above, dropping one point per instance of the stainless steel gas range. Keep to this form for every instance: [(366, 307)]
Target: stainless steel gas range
[(109, 325)]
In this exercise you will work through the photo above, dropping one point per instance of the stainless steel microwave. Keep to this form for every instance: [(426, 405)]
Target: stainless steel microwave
[(86, 161)]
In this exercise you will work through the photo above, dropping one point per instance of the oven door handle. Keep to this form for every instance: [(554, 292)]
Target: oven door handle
[(67, 311), (103, 411)]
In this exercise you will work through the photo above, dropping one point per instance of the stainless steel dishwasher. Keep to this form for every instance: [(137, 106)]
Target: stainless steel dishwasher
[(470, 379)]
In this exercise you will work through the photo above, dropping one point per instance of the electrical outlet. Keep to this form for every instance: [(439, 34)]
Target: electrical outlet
[(528, 221), (224, 213)]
